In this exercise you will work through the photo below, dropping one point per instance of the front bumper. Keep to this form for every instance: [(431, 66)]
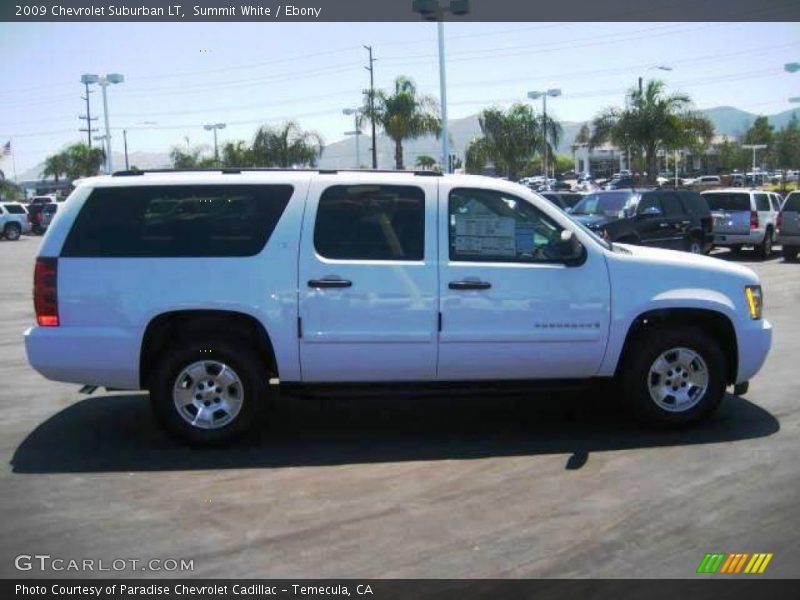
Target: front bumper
[(755, 341)]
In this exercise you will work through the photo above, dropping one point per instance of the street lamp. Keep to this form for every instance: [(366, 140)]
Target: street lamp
[(754, 147), (214, 128), (792, 67), (104, 82), (654, 67), (356, 131), (554, 92), (432, 10)]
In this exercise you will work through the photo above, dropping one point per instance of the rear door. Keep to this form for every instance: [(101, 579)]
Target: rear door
[(731, 212), (368, 280), (653, 229), (678, 221), (790, 221)]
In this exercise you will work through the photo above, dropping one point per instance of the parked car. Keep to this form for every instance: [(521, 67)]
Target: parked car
[(789, 226), (706, 180), (744, 218), (651, 217), (620, 182), (323, 281), (46, 199), (40, 215), (13, 220), (564, 200)]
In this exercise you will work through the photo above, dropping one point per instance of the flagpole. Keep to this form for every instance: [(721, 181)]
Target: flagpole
[(13, 161)]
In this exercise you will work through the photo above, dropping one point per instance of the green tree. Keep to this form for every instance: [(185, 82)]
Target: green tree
[(787, 145), (237, 154), (286, 146), (190, 158), (584, 135), (75, 161), (425, 162), (510, 140), (403, 114), (654, 121), (55, 166)]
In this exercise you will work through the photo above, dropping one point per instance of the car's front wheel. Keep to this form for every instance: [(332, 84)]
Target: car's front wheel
[(674, 376), (12, 231), (206, 391)]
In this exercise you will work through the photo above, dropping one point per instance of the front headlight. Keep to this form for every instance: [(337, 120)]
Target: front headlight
[(755, 300)]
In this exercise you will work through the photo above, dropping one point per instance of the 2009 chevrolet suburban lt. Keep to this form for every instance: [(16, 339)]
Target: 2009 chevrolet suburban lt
[(214, 289)]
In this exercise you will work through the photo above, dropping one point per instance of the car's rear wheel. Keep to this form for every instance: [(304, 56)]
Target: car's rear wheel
[(674, 376), (790, 253), (765, 247), (12, 232), (207, 391), (694, 245)]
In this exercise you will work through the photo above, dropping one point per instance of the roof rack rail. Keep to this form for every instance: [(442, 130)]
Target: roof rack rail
[(237, 170)]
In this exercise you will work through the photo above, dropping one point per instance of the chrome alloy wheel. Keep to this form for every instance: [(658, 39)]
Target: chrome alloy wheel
[(678, 379), (208, 394)]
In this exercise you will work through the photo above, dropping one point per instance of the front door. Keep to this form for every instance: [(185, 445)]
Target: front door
[(510, 309), (368, 281)]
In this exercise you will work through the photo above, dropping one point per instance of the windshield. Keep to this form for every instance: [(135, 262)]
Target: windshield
[(735, 202), (609, 204)]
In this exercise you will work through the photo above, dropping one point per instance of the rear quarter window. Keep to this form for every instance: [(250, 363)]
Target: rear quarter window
[(792, 202), (730, 202), (14, 209), (762, 202), (695, 204), (177, 221)]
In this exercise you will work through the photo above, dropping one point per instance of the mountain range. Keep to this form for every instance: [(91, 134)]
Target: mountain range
[(727, 120)]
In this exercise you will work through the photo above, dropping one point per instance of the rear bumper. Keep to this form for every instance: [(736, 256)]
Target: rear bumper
[(746, 239), (755, 340), (84, 355)]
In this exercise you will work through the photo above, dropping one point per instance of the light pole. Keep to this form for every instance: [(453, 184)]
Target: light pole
[(356, 131), (431, 10), (654, 67), (554, 92), (125, 139), (104, 82), (87, 80), (214, 127), (754, 147)]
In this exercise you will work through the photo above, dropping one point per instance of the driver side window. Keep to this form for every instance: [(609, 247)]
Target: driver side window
[(492, 226)]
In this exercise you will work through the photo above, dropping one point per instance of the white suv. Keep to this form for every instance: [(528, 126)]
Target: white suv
[(13, 220), (213, 289), (744, 218)]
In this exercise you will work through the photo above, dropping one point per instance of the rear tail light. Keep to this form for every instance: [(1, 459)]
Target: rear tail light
[(45, 292), (753, 219)]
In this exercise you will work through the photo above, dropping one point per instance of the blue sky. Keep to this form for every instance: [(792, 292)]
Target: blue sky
[(182, 75)]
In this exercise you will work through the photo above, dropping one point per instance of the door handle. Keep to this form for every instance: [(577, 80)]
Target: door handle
[(468, 284), (663, 225), (331, 282)]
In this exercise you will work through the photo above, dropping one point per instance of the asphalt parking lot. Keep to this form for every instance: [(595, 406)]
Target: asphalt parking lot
[(558, 486)]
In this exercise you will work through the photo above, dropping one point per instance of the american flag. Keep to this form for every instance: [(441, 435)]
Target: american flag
[(6, 149)]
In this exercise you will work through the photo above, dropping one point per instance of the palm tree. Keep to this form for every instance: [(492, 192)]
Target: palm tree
[(286, 146), (654, 121), (237, 154), (191, 158), (403, 115), (83, 161), (510, 139), (425, 162), (55, 166)]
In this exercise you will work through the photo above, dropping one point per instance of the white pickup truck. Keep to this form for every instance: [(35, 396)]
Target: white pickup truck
[(214, 289)]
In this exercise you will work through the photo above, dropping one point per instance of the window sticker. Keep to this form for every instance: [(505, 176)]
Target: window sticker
[(485, 235)]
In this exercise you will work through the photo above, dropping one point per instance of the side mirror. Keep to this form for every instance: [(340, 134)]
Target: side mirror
[(571, 250), (651, 211)]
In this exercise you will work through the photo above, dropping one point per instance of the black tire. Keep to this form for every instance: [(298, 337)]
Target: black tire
[(642, 354), (12, 232), (790, 253), (764, 249), (239, 357), (694, 244)]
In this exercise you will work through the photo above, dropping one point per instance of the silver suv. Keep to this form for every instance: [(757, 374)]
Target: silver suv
[(13, 220), (744, 218), (789, 226)]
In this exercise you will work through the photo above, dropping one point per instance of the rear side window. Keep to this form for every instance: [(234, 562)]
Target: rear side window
[(694, 203), (371, 222), (732, 202), (762, 202), (672, 206), (177, 221), (14, 209), (792, 202), (648, 201)]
